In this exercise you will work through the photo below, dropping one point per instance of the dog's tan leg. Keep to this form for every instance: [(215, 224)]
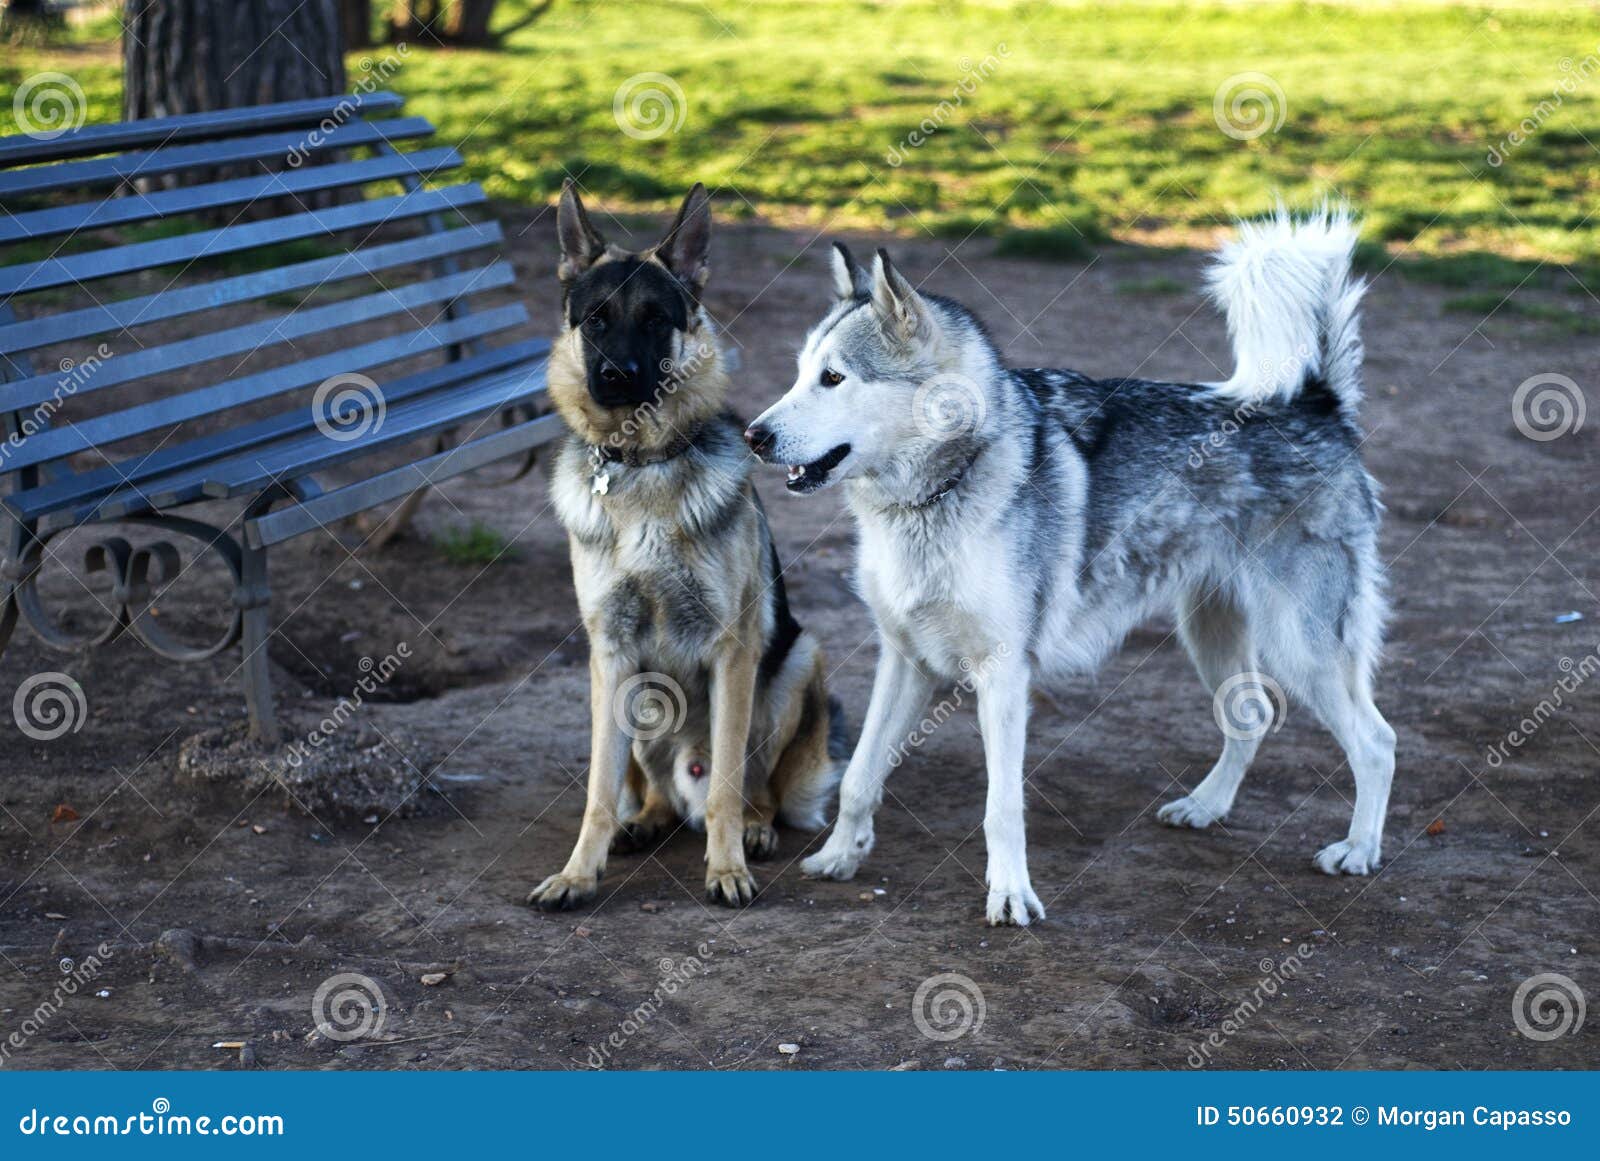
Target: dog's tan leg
[(655, 818), (609, 753), (733, 682), (760, 836)]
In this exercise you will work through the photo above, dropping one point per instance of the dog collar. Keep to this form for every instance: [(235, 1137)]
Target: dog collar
[(601, 459), (946, 486)]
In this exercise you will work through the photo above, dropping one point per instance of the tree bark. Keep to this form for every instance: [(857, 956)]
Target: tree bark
[(193, 56), (356, 19)]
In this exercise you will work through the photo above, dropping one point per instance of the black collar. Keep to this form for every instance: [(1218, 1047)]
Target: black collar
[(946, 486), (633, 457)]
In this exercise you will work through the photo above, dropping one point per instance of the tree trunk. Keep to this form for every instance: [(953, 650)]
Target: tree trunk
[(469, 22), (356, 20), (193, 56)]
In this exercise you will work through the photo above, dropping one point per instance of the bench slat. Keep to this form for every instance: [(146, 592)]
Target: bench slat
[(25, 149), (33, 333), (138, 207), (312, 451), (287, 523), (234, 151), (106, 429), (31, 276), (68, 491), (251, 337)]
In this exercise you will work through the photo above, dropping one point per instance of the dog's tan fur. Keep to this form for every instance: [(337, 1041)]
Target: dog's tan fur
[(675, 575)]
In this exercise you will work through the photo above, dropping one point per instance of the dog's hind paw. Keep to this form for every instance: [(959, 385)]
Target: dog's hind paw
[(760, 840), (640, 834), (732, 887), (563, 892), (1017, 906), (1347, 858), (1188, 811)]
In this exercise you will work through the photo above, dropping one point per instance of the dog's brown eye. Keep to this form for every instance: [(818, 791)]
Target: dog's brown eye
[(831, 378)]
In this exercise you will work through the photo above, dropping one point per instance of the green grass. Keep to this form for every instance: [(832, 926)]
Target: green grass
[(1149, 287), (477, 544), (1486, 303), (1088, 117)]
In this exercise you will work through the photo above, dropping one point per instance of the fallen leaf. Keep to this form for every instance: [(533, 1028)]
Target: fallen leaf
[(1436, 827), (64, 813)]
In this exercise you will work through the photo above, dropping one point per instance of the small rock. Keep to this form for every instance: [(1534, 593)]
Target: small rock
[(954, 1062), (788, 1049), (434, 979)]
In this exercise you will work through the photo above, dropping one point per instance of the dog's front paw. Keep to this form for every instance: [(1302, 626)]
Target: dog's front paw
[(563, 892), (838, 858), (731, 886), (760, 840), (1014, 905), (1347, 858), (1188, 811)]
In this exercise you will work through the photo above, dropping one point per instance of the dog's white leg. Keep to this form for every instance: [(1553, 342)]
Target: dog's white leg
[(1217, 637), (900, 690), (1368, 743), (1003, 718)]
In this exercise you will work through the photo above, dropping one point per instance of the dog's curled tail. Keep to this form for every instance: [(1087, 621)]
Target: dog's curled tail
[(805, 805), (1293, 308)]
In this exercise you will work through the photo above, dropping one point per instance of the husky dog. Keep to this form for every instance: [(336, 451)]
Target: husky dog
[(707, 697), (1018, 523)]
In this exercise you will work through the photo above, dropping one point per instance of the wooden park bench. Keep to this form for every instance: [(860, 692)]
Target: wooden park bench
[(196, 428)]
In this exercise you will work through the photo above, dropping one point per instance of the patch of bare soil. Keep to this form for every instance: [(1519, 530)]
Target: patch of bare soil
[(216, 908)]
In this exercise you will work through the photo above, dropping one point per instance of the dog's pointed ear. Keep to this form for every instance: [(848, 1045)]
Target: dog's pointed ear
[(688, 243), (849, 280), (581, 243), (901, 311)]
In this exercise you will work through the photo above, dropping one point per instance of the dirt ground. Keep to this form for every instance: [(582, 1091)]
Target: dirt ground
[(222, 910)]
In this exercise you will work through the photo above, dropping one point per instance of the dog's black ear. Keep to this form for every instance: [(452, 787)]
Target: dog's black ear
[(685, 248), (849, 280), (581, 243), (901, 311)]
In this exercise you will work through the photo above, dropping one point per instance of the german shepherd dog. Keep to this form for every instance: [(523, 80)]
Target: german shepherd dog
[(1019, 523), (707, 698)]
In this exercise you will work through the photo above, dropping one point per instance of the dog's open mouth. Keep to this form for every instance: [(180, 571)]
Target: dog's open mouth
[(805, 478)]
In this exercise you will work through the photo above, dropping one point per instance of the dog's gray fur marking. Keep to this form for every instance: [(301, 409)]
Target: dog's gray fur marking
[(1090, 505)]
